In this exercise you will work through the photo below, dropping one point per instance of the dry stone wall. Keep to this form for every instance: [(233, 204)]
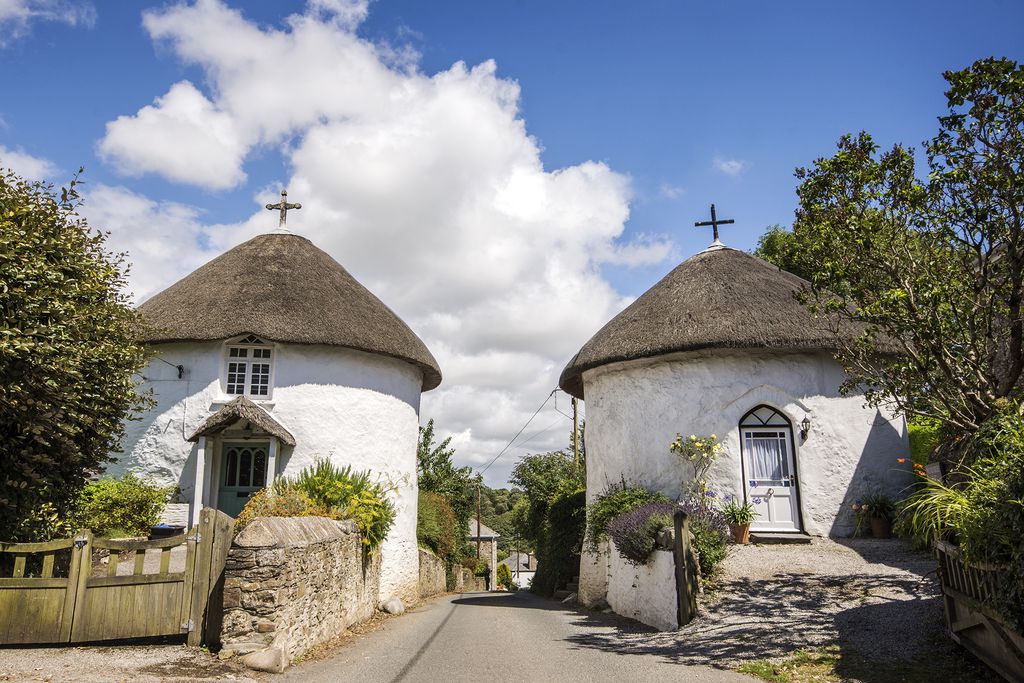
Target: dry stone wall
[(432, 574), (293, 583)]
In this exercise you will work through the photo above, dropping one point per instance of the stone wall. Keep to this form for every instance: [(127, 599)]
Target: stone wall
[(432, 574), (292, 583)]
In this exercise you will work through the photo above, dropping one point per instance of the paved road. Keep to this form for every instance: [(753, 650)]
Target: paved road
[(499, 637)]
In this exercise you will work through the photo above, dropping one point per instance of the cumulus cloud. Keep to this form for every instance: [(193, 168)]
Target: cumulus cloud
[(26, 165), (427, 187), (731, 167), (17, 16)]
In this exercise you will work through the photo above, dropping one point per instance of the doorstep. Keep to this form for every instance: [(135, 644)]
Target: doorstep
[(778, 537)]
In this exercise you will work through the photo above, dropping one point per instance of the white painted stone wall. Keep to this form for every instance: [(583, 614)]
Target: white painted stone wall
[(352, 407), (635, 409), (645, 592)]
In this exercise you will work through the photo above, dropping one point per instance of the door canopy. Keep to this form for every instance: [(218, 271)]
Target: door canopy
[(242, 409)]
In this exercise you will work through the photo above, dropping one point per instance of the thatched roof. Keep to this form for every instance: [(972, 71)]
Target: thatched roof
[(282, 288), (720, 298), (242, 409)]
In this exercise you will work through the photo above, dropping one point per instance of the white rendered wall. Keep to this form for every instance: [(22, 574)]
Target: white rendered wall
[(355, 408), (635, 410), (645, 592)]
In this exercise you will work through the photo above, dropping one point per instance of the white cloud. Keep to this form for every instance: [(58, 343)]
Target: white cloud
[(428, 188), (17, 16), (670, 191), (731, 167), (26, 165)]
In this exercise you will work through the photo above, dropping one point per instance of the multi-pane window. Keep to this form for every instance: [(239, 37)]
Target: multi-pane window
[(249, 368)]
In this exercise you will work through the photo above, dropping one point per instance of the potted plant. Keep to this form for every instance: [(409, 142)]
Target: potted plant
[(879, 510), (739, 516)]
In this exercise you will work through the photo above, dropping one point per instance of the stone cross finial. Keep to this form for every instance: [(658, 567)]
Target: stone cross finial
[(283, 207), (714, 223)]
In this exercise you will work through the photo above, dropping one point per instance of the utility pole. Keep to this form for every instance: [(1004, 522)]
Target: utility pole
[(478, 520), (576, 429)]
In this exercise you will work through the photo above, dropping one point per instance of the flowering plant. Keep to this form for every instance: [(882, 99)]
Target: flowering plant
[(700, 453)]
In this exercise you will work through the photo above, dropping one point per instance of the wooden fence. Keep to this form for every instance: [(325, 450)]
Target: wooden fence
[(967, 591), (687, 571), (58, 593)]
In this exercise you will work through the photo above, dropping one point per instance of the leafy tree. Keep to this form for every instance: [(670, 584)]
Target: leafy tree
[(932, 266), (438, 474), (778, 246), (68, 353)]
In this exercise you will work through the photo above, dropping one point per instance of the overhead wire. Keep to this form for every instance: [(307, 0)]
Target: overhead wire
[(521, 430)]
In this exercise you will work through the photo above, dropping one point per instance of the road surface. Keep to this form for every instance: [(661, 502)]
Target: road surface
[(519, 637)]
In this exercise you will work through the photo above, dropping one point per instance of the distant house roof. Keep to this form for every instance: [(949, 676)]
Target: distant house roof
[(485, 531), (527, 562), (242, 409)]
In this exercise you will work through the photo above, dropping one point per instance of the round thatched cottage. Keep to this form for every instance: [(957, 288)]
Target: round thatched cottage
[(268, 357), (721, 346)]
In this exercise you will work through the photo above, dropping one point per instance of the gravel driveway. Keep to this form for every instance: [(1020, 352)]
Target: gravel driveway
[(877, 601)]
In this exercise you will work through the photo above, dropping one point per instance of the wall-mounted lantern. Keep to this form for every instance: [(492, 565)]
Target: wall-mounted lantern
[(805, 427)]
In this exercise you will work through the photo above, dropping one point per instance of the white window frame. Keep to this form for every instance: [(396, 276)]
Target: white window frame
[(250, 343)]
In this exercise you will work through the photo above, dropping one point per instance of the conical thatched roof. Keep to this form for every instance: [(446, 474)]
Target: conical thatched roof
[(282, 288), (719, 298)]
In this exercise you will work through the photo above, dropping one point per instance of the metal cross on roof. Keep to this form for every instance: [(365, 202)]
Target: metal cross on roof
[(283, 207), (714, 223)]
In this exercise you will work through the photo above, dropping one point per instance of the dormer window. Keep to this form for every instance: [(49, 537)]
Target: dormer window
[(248, 370)]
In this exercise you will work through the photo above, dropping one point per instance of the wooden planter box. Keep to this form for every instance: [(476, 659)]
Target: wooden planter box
[(969, 621)]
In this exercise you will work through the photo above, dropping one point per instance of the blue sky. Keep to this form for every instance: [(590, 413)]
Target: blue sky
[(682, 103)]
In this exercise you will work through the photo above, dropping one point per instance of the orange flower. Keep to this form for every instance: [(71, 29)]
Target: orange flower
[(901, 460)]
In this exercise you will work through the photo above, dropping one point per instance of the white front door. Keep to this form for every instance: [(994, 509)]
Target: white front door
[(770, 478)]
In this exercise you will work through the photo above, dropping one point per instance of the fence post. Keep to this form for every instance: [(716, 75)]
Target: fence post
[(686, 608), (223, 534), (78, 573)]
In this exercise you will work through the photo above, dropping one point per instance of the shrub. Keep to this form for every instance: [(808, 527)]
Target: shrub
[(561, 539), (128, 506), (436, 527), (983, 510), (281, 501), (350, 495), (710, 536), (634, 532), (924, 437), (616, 499), (504, 576)]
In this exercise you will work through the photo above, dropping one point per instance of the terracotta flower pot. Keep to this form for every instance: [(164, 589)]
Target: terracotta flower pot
[(740, 533), (881, 527)]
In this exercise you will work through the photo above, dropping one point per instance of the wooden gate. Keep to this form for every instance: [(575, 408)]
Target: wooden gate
[(57, 594), (966, 589)]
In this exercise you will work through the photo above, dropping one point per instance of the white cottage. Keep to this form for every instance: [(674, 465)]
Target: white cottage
[(270, 356), (721, 346)]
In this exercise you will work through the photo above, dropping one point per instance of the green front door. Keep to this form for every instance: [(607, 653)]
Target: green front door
[(243, 470)]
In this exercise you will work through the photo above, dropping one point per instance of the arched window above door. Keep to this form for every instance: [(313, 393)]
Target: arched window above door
[(764, 416)]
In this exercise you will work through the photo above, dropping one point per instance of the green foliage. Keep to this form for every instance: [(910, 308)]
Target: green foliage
[(927, 260), (736, 512), (983, 510), (504, 576), (67, 354), (778, 246), (348, 494), (281, 501), (925, 436), (552, 518), (615, 500), (129, 505), (437, 473), (436, 527), (711, 542)]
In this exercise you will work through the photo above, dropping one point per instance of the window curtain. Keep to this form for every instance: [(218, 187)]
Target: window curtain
[(765, 458)]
